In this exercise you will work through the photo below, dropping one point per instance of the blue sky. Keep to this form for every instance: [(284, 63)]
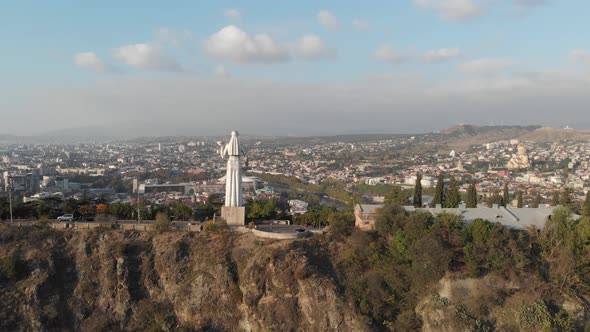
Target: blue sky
[(74, 49)]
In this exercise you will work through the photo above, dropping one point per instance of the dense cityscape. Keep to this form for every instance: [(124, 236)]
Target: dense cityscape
[(363, 170)]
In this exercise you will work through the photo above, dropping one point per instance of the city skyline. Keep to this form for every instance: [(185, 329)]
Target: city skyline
[(299, 69)]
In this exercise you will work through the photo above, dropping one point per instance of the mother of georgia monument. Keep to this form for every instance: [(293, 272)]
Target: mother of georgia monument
[(233, 212)]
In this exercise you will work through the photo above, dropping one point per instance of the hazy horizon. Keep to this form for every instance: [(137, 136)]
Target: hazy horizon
[(302, 70)]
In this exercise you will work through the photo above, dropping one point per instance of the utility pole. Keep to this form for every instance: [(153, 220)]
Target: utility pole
[(138, 213), (10, 196)]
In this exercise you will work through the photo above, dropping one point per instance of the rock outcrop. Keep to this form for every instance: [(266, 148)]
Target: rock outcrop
[(112, 280)]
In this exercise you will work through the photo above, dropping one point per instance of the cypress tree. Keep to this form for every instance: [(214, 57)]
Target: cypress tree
[(586, 207), (565, 199), (452, 196), (418, 191), (439, 190), (506, 196), (520, 203), (471, 199), (537, 200), (555, 198)]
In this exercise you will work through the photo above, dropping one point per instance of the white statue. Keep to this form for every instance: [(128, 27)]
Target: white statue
[(233, 177)]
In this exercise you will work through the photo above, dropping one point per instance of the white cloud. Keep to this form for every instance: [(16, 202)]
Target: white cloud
[(441, 54), (89, 60), (173, 37), (232, 13), (360, 25), (455, 10), (313, 47), (580, 57), (235, 45), (487, 66), (387, 54), (146, 56), (327, 19)]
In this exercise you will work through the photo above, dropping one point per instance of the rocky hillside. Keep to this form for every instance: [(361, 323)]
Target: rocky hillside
[(111, 280), (544, 135), (412, 273)]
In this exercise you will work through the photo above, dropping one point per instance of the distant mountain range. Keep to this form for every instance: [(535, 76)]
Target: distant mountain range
[(459, 136)]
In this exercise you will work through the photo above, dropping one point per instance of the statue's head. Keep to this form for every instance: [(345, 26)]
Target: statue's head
[(234, 133), (521, 149)]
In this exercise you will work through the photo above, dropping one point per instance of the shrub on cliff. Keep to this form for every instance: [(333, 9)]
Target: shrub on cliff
[(9, 267), (162, 222)]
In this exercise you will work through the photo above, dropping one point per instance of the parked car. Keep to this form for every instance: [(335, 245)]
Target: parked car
[(66, 217)]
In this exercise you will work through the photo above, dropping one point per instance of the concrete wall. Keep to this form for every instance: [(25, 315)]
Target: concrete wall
[(60, 225), (234, 215), (87, 225), (138, 227), (280, 236)]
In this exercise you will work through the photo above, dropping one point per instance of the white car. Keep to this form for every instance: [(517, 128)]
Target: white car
[(66, 217)]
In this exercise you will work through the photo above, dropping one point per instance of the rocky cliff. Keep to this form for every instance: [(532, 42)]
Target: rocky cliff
[(111, 280)]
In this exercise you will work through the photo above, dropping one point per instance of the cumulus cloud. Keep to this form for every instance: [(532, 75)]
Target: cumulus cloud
[(360, 25), (327, 19), (235, 45), (487, 66), (146, 56), (580, 57), (89, 60), (388, 54), (173, 37), (455, 10), (232, 13), (313, 47), (441, 54)]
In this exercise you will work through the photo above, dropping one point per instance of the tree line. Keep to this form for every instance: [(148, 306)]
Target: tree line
[(385, 272)]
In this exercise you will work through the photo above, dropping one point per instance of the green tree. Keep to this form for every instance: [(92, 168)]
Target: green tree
[(70, 205), (520, 203), (453, 197), (390, 217), (471, 199), (418, 191), (182, 212), (439, 191), (586, 206), (555, 198), (566, 199), (261, 208), (341, 224), (216, 202), (506, 195), (537, 200), (122, 211), (396, 196)]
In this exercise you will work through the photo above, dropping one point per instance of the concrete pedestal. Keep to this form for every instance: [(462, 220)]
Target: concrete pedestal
[(234, 215)]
